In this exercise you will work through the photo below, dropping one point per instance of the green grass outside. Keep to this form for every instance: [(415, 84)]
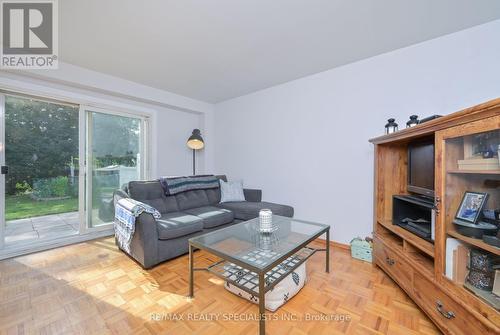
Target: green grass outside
[(22, 206)]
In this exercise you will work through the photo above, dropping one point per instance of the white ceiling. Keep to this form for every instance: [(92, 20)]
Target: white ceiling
[(220, 49)]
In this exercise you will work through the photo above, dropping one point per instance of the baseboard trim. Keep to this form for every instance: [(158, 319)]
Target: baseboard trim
[(334, 244), (340, 245)]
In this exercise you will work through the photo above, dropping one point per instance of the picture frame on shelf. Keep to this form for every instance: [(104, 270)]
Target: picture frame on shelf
[(471, 206), (496, 284)]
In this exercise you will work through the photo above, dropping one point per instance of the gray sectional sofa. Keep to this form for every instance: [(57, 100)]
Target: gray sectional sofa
[(185, 215)]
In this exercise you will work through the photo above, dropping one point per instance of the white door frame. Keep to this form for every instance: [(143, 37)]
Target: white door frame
[(82, 138), (84, 233), (2, 177)]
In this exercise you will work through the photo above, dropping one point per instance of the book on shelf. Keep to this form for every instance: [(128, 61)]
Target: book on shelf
[(460, 257), (479, 164), (456, 268)]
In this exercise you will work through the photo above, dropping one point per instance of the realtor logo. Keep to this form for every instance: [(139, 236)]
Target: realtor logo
[(29, 34)]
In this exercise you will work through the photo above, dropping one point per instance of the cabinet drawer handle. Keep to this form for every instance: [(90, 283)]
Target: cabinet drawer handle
[(389, 261), (440, 309)]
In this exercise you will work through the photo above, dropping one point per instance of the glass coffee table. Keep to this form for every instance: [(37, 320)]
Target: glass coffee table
[(256, 262)]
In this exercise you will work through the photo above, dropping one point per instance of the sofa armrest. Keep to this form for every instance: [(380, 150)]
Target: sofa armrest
[(252, 195), (144, 244)]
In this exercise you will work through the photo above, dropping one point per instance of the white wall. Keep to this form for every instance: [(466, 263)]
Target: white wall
[(173, 117), (305, 143), (173, 156)]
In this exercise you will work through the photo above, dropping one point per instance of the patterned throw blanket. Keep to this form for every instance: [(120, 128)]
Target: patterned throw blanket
[(174, 185), (126, 211)]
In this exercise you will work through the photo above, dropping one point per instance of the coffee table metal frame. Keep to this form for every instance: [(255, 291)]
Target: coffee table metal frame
[(220, 269)]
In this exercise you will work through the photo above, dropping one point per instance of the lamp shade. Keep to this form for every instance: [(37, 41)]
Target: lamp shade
[(195, 141)]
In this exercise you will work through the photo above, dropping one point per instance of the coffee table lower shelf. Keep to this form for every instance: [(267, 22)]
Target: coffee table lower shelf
[(248, 280)]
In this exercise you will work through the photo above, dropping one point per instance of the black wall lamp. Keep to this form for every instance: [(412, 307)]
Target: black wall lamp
[(195, 142)]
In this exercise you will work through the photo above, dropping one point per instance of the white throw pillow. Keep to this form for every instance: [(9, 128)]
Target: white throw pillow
[(231, 191)]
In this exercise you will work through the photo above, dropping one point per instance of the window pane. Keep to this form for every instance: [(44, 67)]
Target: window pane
[(41, 193), (115, 160)]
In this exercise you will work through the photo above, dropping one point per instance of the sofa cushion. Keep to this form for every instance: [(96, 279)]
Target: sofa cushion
[(213, 195), (151, 193), (212, 216), (177, 224), (192, 199), (246, 210), (171, 204)]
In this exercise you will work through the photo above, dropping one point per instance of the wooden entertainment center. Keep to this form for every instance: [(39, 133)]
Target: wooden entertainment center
[(433, 278)]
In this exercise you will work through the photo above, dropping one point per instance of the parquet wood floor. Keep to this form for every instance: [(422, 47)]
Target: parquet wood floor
[(92, 288)]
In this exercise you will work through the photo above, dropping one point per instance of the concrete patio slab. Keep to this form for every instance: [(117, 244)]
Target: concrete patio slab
[(13, 230), (45, 225), (18, 223), (73, 220), (42, 227), (70, 215)]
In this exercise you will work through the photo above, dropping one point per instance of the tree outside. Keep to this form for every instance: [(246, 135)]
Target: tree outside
[(41, 142)]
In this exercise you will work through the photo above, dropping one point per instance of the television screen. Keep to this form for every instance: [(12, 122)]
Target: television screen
[(421, 167)]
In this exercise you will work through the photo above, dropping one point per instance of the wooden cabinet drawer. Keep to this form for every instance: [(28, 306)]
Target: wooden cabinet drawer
[(452, 317), (399, 269)]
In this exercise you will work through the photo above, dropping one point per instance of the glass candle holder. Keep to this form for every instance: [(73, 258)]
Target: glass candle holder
[(265, 221), (413, 121), (391, 126)]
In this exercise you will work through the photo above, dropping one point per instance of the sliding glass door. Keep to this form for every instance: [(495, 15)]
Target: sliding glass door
[(40, 184), (115, 154), (61, 163)]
